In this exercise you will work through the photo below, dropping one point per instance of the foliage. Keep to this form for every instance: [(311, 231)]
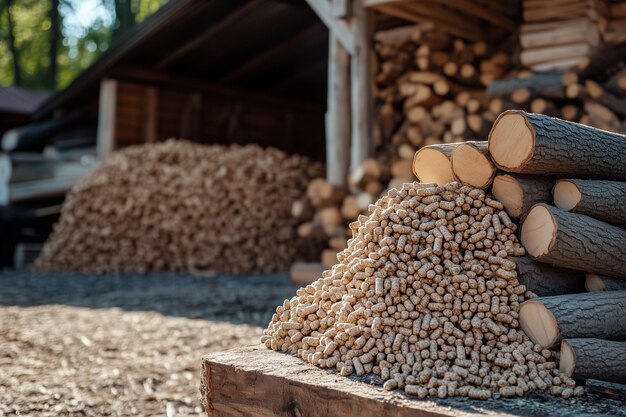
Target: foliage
[(87, 28)]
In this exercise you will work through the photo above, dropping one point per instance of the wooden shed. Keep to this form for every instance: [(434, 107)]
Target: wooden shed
[(211, 71)]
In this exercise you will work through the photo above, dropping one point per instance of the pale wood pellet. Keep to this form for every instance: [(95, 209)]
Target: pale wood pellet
[(437, 319)]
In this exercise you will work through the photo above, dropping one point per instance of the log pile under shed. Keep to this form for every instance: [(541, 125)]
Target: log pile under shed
[(434, 91), (180, 206)]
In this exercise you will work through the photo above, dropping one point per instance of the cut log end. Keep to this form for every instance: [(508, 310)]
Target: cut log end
[(538, 230), (566, 195), (511, 141), (567, 358), (538, 323), (507, 190), (431, 165), (471, 166), (593, 282)]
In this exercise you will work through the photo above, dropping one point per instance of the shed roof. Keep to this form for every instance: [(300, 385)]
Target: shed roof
[(17, 100), (275, 46)]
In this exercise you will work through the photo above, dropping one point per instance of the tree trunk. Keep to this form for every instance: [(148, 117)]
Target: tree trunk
[(595, 282), (546, 85), (519, 193), (536, 144), (545, 280), (125, 18), (548, 320), (594, 358), (574, 241), (472, 165), (432, 163), (602, 200), (54, 44), (17, 75)]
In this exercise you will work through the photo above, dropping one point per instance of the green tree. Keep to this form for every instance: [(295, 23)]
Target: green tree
[(45, 44)]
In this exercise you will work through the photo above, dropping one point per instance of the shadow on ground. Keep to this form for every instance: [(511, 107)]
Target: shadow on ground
[(249, 299)]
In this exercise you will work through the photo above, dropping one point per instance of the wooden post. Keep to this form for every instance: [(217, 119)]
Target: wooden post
[(361, 81), (152, 104), (338, 114), (106, 118)]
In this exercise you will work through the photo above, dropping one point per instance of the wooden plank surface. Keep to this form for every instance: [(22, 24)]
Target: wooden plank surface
[(255, 381)]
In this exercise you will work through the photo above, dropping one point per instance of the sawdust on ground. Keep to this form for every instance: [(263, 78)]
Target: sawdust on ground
[(72, 361)]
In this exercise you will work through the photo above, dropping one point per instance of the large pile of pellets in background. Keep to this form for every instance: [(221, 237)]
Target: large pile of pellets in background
[(425, 296), (183, 206)]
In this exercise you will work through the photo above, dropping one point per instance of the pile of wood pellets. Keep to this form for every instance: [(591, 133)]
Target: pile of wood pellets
[(426, 297), (181, 206)]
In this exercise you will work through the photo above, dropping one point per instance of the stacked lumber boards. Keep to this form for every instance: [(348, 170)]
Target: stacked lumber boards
[(567, 181), (181, 206), (560, 35)]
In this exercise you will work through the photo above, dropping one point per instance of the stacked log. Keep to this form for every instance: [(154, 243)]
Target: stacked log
[(180, 206), (580, 239), (560, 36)]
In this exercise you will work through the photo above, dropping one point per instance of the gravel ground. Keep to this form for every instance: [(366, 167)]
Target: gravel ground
[(130, 345), (249, 299), (89, 345)]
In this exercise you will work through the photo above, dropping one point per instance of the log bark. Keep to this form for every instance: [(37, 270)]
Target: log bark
[(606, 389), (594, 358), (574, 241), (519, 193), (536, 144), (545, 280), (602, 200), (546, 85), (548, 320), (595, 282), (472, 165)]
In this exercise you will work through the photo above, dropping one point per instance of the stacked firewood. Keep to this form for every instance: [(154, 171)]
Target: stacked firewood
[(560, 36), (434, 89), (593, 93), (185, 207), (567, 184)]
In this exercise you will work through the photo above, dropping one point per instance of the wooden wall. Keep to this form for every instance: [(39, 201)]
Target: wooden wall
[(147, 113)]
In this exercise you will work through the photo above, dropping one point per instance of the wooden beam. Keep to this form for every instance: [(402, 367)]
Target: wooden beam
[(211, 31), (362, 87), (340, 28), (258, 382), (150, 121), (272, 54), (475, 9), (106, 118), (162, 78), (338, 114), (445, 19), (341, 8)]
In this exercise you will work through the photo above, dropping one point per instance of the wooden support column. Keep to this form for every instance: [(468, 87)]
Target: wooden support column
[(362, 86), (338, 113), (106, 118), (150, 122)]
